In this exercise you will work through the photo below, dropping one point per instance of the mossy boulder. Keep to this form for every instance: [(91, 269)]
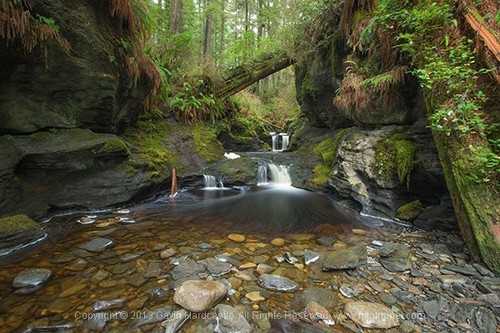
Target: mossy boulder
[(17, 223), (206, 143), (410, 211), (240, 171)]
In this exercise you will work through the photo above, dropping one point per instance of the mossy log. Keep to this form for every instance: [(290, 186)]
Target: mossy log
[(245, 75), (476, 204)]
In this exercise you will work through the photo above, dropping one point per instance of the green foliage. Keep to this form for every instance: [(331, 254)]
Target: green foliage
[(327, 151), (394, 156), (484, 166), (321, 174), (17, 223)]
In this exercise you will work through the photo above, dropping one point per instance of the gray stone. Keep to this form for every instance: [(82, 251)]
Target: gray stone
[(187, 269), (231, 320), (96, 245), (108, 305), (96, 322), (322, 296), (216, 267), (466, 269), (175, 321), (31, 278), (349, 258), (326, 241), (432, 308), (310, 257), (398, 260), (277, 283), (153, 316)]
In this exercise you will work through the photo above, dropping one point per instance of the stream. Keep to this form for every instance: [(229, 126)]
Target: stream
[(274, 247)]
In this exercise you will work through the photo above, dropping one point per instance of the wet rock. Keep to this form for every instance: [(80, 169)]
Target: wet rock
[(159, 293), (238, 238), (199, 295), (371, 315), (72, 286), (31, 278), (483, 270), (62, 259), (388, 299), (317, 313), (131, 256), (277, 283), (432, 308), (152, 317), (310, 257), (344, 259), (289, 258), (167, 253), (452, 279), (230, 320), (326, 241), (188, 269), (97, 245), (248, 265), (324, 297), (175, 321), (96, 322), (398, 260), (264, 269), (216, 267), (465, 269), (205, 246), (289, 326), (154, 269), (99, 276), (108, 305), (255, 296), (278, 242), (348, 292)]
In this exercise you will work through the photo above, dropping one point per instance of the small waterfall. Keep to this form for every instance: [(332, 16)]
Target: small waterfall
[(285, 140), (262, 175), (280, 174), (210, 182), (275, 138), (280, 141)]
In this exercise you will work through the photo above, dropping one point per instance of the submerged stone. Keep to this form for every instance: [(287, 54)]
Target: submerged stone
[(398, 260), (108, 305), (96, 244), (277, 283), (310, 257), (230, 320), (371, 315), (31, 278), (175, 321), (350, 258), (199, 295)]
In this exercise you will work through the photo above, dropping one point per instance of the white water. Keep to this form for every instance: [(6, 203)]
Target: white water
[(282, 138), (262, 175), (210, 182), (280, 175)]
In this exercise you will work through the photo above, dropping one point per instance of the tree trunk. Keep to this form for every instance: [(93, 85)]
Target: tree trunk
[(176, 17), (208, 34)]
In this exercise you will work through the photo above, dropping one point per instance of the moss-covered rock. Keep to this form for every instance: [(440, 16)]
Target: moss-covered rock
[(321, 175), (207, 144), (17, 223), (394, 156), (409, 211), (237, 172)]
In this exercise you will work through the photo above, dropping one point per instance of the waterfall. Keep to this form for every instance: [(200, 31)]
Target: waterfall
[(262, 175), (275, 138), (280, 174), (280, 141), (210, 182), (285, 138)]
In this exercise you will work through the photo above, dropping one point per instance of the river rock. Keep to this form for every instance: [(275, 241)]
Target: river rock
[(264, 269), (152, 317), (344, 259), (216, 267), (326, 240), (238, 238), (199, 295), (230, 320), (96, 322), (325, 297), (317, 313), (255, 296), (289, 326), (187, 269), (398, 260), (310, 257), (31, 278), (175, 321), (278, 242), (464, 269), (108, 305), (371, 315), (97, 245), (167, 253), (277, 283)]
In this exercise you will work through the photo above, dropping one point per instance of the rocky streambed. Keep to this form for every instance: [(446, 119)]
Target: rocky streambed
[(132, 273)]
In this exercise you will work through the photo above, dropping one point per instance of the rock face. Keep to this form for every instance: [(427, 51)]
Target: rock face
[(371, 315), (198, 295)]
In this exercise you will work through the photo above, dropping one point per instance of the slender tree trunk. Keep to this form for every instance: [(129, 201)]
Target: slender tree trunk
[(176, 17), (208, 34)]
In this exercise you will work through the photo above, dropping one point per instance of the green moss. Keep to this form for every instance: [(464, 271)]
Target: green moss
[(321, 174), (207, 144), (149, 139), (114, 145), (394, 156), (17, 223), (409, 211), (327, 150)]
